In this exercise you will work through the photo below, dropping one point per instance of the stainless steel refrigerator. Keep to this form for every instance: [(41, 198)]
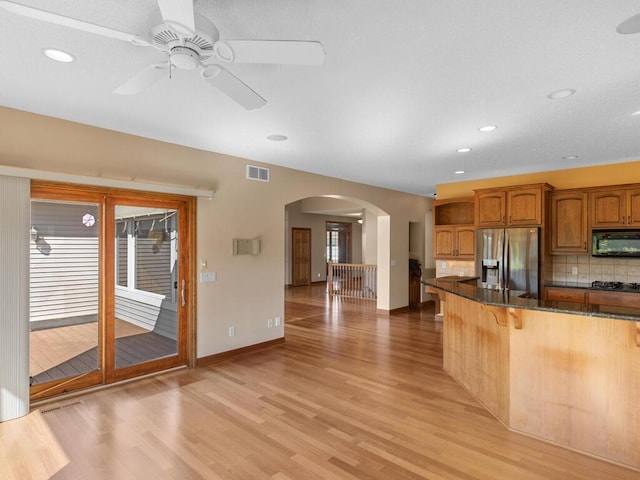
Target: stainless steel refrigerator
[(508, 259)]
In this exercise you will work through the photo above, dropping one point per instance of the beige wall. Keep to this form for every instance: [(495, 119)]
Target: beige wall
[(611, 174), (249, 289)]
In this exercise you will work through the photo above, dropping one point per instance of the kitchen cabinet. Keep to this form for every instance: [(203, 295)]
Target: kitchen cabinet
[(454, 242), (516, 206), (569, 222), (491, 208), (614, 299), (618, 208), (587, 296), (453, 231), (560, 294)]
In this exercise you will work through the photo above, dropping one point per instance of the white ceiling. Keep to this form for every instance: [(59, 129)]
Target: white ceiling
[(404, 84)]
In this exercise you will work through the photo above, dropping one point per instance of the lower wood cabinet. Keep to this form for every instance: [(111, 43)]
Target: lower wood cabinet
[(573, 295), (458, 242), (593, 297)]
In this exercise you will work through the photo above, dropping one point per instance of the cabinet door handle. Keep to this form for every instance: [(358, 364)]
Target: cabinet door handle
[(182, 294), (509, 218), (629, 220), (585, 245)]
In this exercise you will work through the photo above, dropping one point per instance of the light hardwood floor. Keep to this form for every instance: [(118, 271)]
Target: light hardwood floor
[(350, 395)]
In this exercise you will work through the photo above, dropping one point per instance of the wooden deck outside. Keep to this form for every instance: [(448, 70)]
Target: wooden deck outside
[(64, 352)]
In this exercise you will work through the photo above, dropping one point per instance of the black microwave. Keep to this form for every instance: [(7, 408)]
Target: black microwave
[(615, 243)]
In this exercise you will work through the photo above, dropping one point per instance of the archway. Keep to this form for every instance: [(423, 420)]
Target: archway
[(370, 236)]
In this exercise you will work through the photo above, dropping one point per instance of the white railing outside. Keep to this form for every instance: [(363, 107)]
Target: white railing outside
[(352, 280)]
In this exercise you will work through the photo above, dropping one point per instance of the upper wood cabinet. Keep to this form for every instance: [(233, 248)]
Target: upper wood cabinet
[(454, 235), (569, 222), (457, 242), (617, 208), (491, 208), (513, 206), (454, 211)]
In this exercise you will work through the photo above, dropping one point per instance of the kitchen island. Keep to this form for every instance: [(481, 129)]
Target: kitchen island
[(562, 372)]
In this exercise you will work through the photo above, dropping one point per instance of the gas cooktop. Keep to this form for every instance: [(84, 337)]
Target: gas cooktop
[(616, 286)]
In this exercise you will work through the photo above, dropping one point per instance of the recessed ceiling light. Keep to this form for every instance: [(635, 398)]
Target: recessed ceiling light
[(570, 157), (58, 55), (564, 93), (488, 128), (464, 150), (458, 172), (277, 138)]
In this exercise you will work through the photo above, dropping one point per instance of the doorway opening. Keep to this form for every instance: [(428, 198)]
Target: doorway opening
[(338, 242)]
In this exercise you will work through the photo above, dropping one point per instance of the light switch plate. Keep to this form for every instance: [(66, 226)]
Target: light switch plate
[(208, 277)]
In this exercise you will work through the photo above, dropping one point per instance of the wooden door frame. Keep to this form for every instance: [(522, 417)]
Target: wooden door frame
[(293, 230), (107, 198)]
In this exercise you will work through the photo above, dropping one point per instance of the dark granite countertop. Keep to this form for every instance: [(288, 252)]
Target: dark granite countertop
[(469, 289)]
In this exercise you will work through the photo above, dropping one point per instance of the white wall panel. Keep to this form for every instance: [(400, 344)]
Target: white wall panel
[(14, 297)]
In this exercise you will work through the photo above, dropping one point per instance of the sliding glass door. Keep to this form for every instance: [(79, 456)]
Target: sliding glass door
[(110, 286)]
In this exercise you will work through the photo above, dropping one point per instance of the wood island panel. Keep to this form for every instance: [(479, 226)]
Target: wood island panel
[(476, 352), (569, 379)]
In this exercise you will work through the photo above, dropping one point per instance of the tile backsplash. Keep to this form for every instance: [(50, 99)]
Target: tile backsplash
[(445, 268), (590, 269)]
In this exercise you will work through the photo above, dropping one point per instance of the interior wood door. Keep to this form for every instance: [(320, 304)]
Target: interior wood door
[(300, 256)]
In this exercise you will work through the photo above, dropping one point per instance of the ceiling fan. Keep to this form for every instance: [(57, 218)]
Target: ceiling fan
[(191, 42)]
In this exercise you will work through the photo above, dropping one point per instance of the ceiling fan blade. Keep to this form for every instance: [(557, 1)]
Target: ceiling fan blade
[(49, 17), (233, 87), (285, 52), (178, 15), (630, 25), (143, 79)]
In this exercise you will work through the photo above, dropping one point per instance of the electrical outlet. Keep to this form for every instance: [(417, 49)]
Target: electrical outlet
[(232, 331), (574, 270), (278, 321), (270, 323)]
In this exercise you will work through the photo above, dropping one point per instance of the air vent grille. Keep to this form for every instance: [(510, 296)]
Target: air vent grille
[(257, 173)]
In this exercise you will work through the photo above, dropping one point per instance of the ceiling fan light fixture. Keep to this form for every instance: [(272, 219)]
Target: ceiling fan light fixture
[(211, 71), (58, 55), (184, 58), (224, 51)]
